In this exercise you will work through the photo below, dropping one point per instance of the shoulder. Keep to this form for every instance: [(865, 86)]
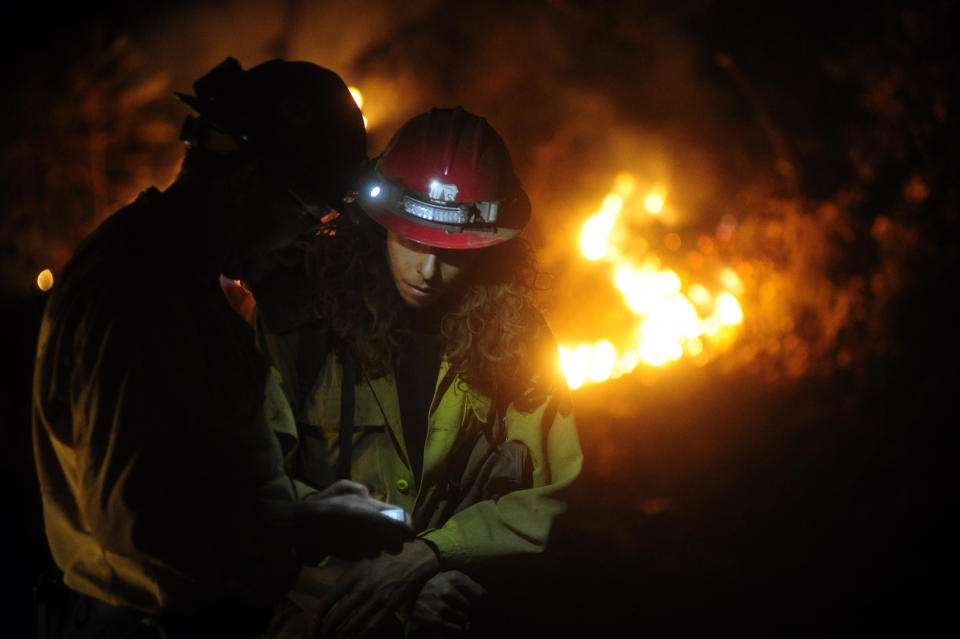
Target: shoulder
[(118, 285), (540, 340), (296, 353), (116, 255), (540, 374)]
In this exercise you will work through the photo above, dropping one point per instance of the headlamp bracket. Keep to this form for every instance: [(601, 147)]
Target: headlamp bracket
[(451, 216)]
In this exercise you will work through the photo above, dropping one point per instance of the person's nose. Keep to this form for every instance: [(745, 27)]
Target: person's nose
[(428, 267)]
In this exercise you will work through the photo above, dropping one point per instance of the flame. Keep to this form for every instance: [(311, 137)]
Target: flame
[(45, 280), (728, 310), (670, 324), (358, 98), (653, 203), (731, 280), (593, 238)]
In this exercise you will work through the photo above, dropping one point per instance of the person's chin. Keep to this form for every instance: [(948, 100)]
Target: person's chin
[(418, 298), (415, 303)]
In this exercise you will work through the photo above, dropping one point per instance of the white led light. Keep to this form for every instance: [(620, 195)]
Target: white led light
[(375, 191)]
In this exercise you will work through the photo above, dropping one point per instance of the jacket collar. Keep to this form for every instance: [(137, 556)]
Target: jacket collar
[(479, 403)]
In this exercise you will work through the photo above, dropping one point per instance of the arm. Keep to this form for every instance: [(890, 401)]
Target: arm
[(540, 419), (353, 598), (177, 472), (164, 452), (518, 523), (488, 534)]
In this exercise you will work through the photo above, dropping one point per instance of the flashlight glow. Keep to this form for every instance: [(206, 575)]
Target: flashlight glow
[(375, 191)]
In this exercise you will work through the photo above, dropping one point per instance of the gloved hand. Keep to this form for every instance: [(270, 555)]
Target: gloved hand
[(445, 604), (344, 521), (366, 594), (341, 487)]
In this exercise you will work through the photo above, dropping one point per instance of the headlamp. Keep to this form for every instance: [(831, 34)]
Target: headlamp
[(382, 192)]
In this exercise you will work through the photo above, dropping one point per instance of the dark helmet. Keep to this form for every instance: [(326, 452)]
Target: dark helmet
[(297, 116), (446, 180)]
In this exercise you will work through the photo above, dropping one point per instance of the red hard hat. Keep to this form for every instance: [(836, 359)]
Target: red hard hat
[(446, 180)]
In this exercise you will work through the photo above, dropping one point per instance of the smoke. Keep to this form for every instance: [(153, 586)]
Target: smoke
[(580, 93)]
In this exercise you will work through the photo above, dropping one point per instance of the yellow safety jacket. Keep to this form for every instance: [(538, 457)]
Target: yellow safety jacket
[(515, 524)]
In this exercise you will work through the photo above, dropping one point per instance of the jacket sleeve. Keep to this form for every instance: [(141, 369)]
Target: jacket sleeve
[(519, 523), (281, 351)]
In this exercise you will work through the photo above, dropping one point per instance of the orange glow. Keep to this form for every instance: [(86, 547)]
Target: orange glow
[(694, 347), (671, 319), (357, 96), (705, 244), (710, 326), (653, 203), (629, 361), (574, 364), (669, 324), (728, 310), (731, 281), (593, 238), (45, 280), (699, 295), (602, 360), (624, 184)]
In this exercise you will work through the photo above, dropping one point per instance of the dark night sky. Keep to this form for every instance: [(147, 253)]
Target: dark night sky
[(793, 504)]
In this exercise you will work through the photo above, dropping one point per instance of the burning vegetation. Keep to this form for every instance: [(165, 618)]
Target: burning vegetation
[(679, 233), (674, 318)]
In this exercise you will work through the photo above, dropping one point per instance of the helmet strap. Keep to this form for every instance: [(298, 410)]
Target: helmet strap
[(200, 133)]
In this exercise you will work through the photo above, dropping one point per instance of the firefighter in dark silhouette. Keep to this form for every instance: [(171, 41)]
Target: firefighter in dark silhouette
[(165, 500)]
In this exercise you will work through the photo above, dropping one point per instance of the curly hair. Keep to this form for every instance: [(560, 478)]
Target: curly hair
[(485, 333)]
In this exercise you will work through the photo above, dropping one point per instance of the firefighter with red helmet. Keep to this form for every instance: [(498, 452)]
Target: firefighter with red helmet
[(426, 374), (165, 502), (447, 181)]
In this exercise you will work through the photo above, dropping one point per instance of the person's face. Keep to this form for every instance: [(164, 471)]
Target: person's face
[(272, 222), (424, 274), (281, 219)]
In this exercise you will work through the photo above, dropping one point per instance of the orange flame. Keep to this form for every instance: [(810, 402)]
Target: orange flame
[(670, 323), (358, 98)]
